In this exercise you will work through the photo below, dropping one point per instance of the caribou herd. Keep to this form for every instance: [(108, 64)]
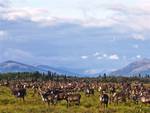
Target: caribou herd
[(51, 92)]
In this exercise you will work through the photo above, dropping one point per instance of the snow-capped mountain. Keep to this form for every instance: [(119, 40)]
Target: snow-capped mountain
[(138, 67)]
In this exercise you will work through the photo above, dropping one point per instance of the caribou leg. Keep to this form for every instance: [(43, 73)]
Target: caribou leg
[(67, 104), (23, 99)]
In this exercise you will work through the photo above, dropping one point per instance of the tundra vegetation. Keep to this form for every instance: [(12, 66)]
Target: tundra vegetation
[(72, 94)]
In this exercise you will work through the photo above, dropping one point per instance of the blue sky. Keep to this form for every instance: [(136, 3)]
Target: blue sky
[(90, 35)]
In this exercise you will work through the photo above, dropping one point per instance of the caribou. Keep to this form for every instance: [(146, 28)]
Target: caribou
[(52, 92), (19, 91), (145, 100), (89, 91), (73, 98), (104, 99), (48, 96)]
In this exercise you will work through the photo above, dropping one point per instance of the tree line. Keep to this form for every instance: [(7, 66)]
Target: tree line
[(37, 76)]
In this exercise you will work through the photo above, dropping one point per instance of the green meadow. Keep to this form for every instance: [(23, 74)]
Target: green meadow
[(10, 104)]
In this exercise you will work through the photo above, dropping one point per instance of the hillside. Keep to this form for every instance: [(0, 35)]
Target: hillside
[(138, 67)]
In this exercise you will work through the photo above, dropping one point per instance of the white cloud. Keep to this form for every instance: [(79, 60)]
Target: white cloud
[(94, 13), (138, 37), (138, 56), (97, 22), (114, 57), (105, 55), (124, 14), (96, 54), (34, 14), (133, 16), (84, 57), (91, 71), (86, 15)]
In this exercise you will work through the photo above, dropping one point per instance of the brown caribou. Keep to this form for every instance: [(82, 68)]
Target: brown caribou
[(19, 91), (73, 98)]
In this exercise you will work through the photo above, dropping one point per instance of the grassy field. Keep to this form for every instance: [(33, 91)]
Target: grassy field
[(9, 104)]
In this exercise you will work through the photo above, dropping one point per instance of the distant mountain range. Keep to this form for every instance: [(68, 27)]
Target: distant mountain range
[(14, 66), (138, 67), (134, 68), (58, 70)]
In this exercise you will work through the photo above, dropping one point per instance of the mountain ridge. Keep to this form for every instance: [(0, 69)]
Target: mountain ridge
[(15, 66), (141, 66)]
